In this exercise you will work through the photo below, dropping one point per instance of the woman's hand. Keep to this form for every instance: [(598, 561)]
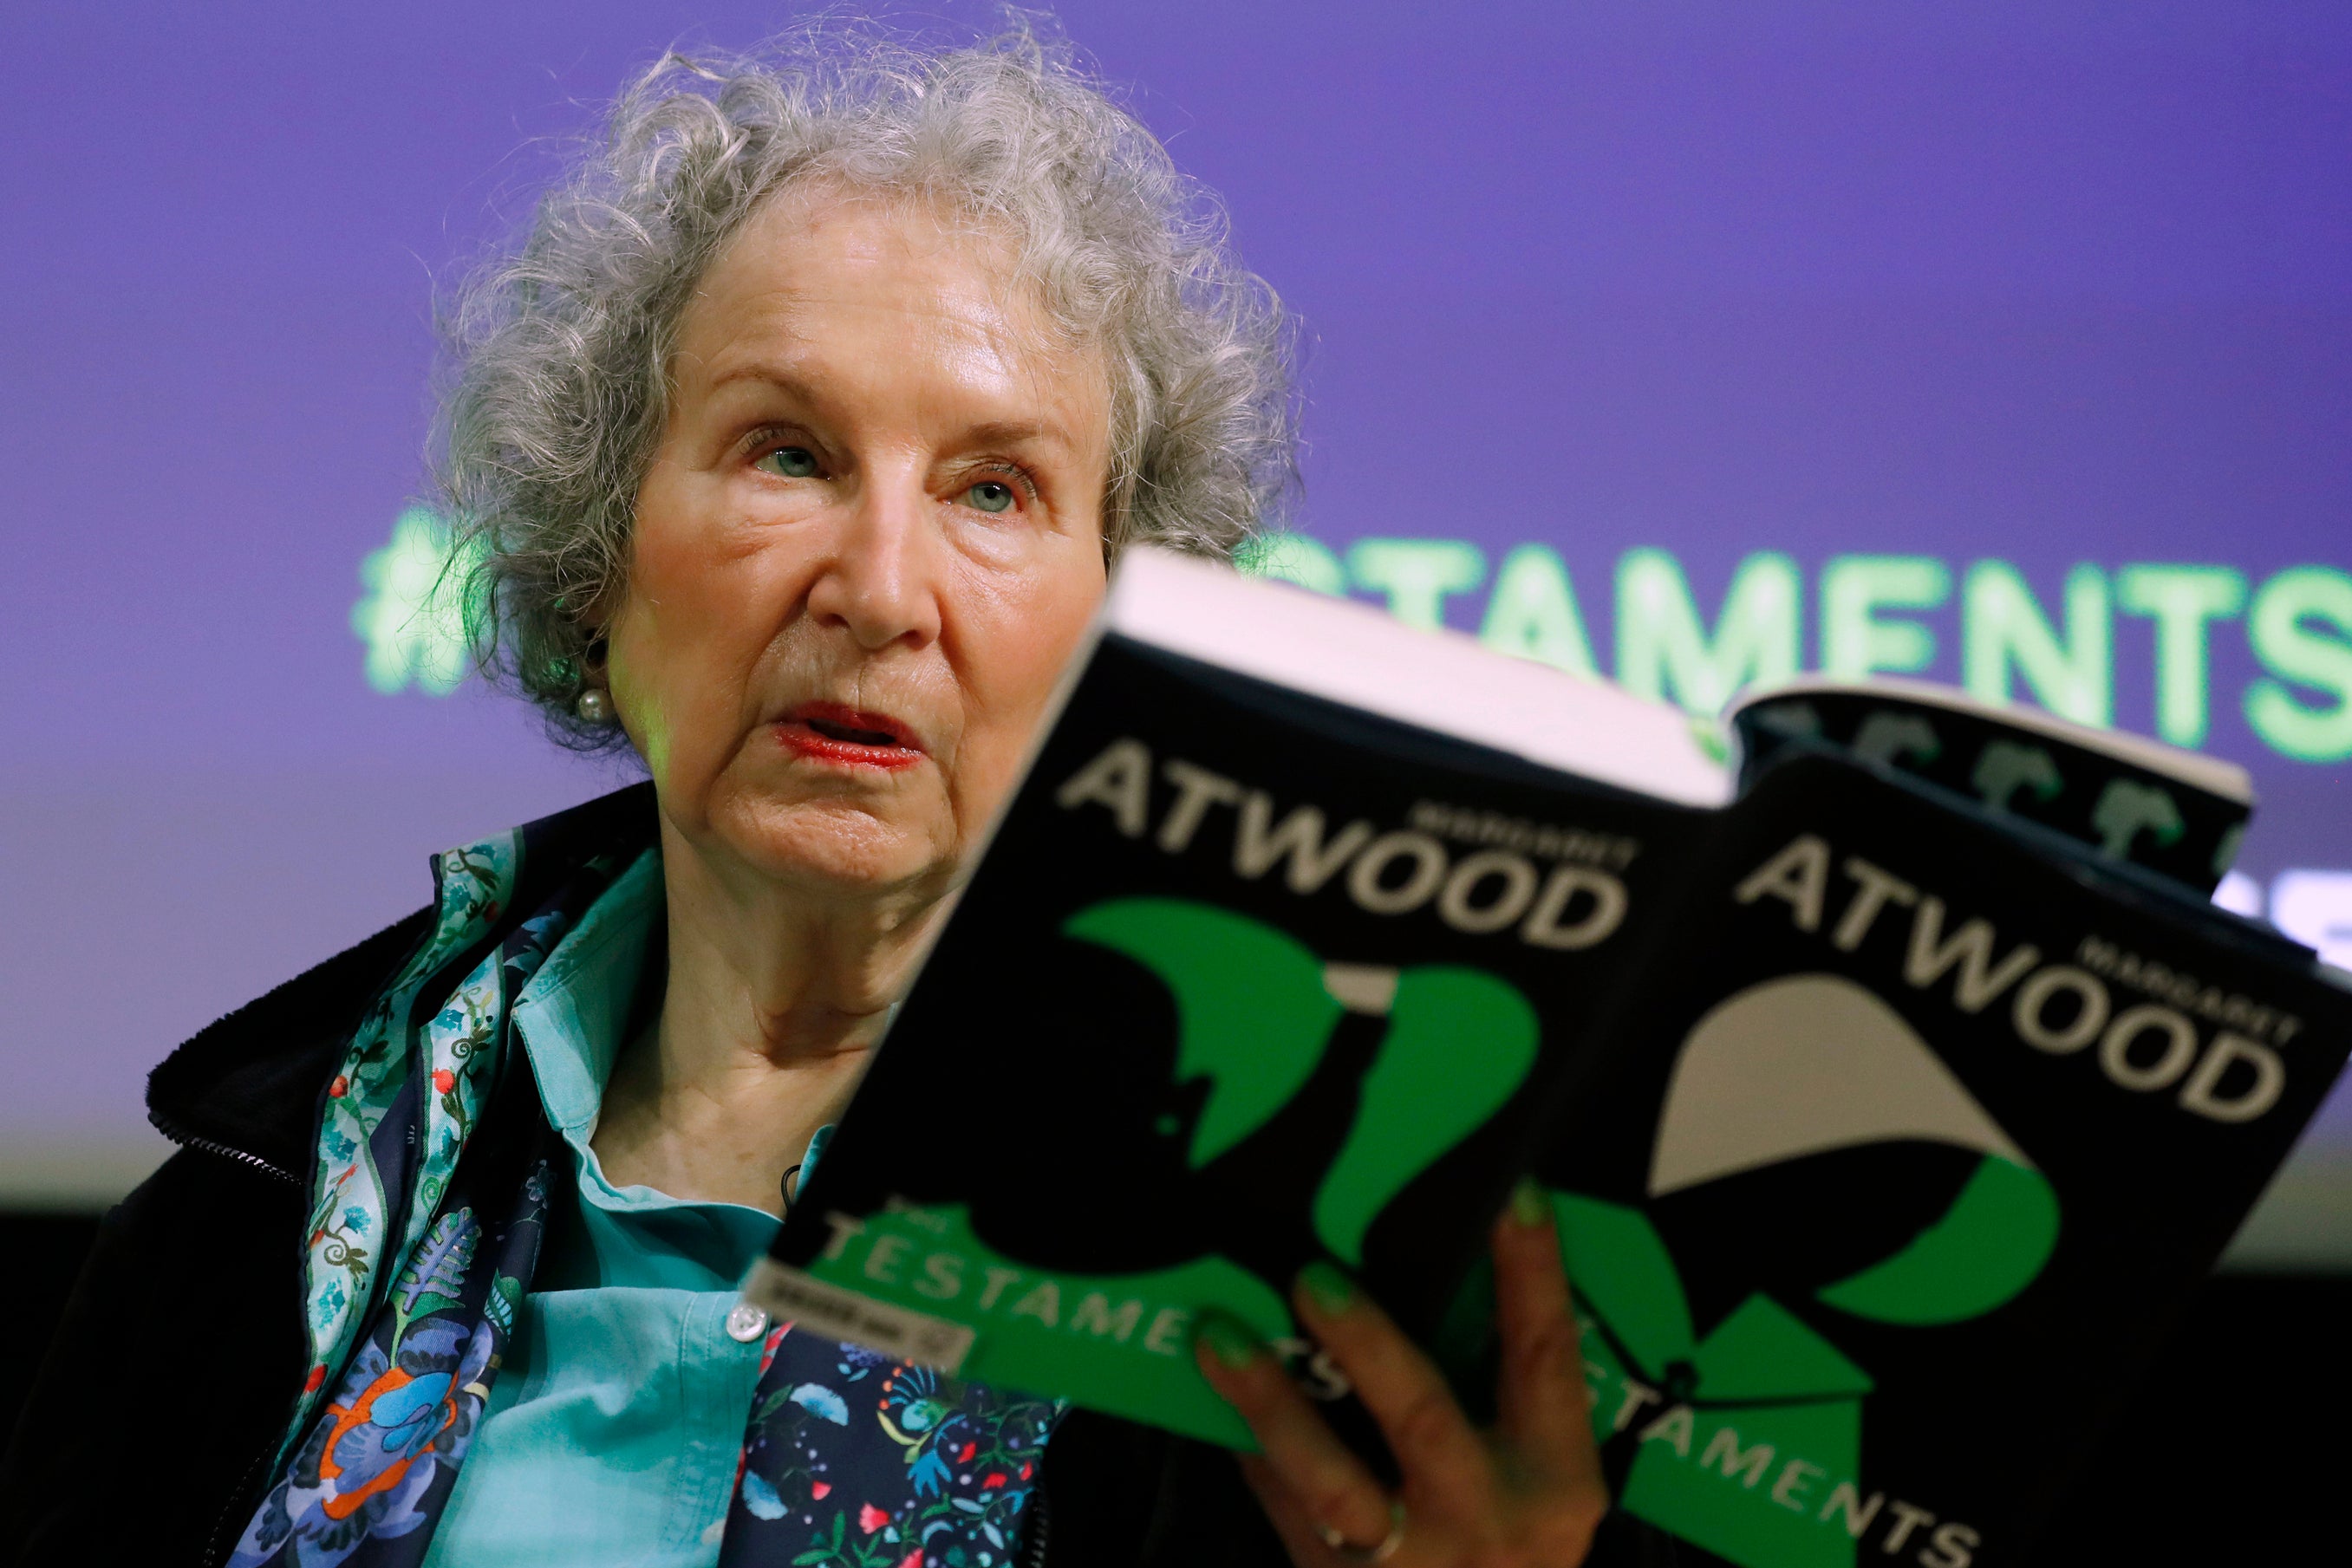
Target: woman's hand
[(1527, 1494)]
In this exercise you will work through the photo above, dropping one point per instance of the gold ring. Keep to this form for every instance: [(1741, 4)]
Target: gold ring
[(1380, 1554)]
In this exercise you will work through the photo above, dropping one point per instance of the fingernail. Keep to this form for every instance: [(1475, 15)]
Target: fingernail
[(1529, 1206), (1227, 1339), (1332, 1292)]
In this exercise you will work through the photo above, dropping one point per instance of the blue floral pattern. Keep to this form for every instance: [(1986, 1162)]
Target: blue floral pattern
[(853, 1460), (359, 1174), (373, 1469)]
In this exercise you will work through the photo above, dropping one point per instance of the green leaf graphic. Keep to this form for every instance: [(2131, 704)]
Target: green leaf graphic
[(1986, 1247), (1459, 1042)]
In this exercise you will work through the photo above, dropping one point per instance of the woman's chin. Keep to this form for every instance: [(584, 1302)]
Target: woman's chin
[(853, 848)]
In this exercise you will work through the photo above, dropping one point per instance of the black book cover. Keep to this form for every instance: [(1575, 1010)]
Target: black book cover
[(1905, 1161), (1245, 979)]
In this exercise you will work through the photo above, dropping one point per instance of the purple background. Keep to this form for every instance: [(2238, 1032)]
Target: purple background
[(2047, 283)]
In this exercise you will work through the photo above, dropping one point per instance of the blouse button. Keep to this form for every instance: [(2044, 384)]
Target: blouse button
[(745, 1322)]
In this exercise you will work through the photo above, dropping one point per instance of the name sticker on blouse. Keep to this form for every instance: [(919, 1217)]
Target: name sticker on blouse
[(792, 1295)]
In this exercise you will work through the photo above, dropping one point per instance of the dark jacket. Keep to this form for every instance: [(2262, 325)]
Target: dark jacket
[(148, 1434)]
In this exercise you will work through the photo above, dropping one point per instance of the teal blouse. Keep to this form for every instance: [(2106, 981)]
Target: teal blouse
[(612, 1432)]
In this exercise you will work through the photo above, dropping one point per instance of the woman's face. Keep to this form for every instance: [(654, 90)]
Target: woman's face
[(867, 543)]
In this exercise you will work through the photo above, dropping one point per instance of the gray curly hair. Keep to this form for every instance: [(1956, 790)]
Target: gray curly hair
[(561, 349)]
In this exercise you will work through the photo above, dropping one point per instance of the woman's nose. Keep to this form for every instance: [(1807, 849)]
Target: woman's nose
[(879, 582)]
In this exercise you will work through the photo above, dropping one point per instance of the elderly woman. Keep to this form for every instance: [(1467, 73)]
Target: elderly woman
[(798, 439)]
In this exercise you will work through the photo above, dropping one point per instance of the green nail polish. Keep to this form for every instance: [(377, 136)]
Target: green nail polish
[(1227, 1341), (1332, 1292), (1528, 1205)]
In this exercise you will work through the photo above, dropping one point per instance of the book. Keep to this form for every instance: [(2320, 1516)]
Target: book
[(2178, 813), (1878, 1210), (1887, 1112)]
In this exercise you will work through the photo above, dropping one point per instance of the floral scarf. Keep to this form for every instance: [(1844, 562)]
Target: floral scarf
[(927, 1473)]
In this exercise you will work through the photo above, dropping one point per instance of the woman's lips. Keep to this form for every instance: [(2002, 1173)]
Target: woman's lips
[(847, 737)]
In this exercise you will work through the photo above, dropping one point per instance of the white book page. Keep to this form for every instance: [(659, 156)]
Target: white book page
[(1442, 680)]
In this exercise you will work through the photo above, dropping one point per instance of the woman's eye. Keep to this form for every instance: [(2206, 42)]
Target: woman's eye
[(791, 462), (990, 495)]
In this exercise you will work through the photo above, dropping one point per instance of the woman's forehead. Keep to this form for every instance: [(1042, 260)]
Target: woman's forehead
[(819, 274)]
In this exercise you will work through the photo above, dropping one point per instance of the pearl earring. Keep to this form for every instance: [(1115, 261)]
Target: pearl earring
[(594, 707)]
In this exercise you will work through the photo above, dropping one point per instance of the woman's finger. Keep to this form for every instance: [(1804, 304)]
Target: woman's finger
[(1328, 1484), (1300, 1533), (1444, 1459), (1541, 1403)]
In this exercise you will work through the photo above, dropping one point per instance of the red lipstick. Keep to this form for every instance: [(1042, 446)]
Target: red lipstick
[(847, 737)]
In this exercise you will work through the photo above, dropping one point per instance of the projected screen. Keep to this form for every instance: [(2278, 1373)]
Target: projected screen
[(1687, 346)]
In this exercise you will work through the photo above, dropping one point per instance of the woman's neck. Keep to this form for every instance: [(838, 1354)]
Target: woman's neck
[(772, 1004)]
